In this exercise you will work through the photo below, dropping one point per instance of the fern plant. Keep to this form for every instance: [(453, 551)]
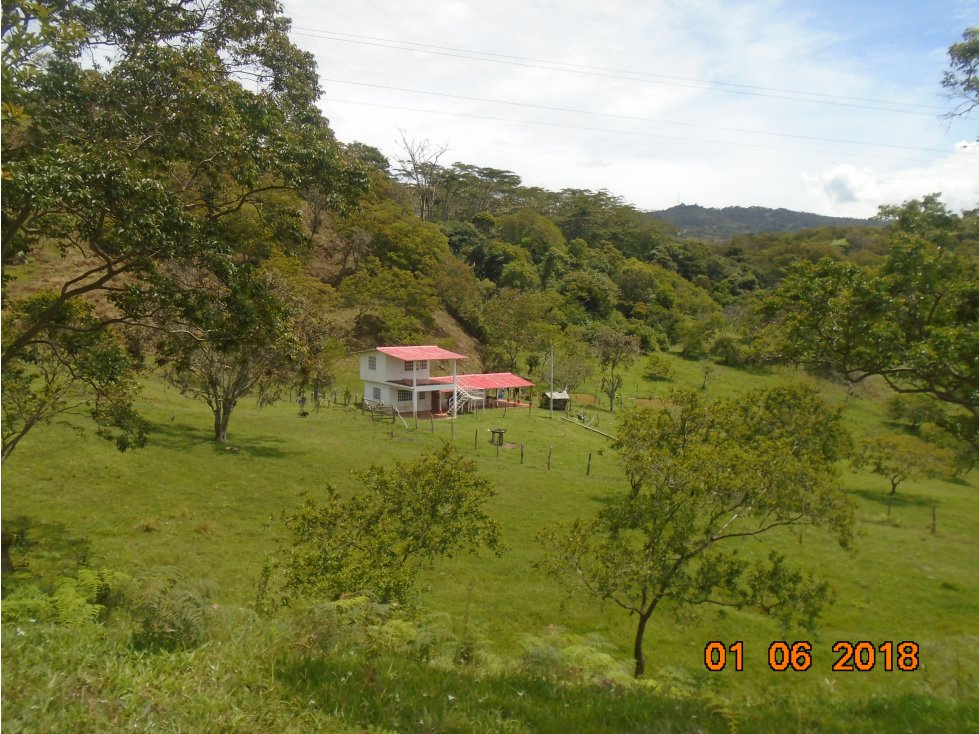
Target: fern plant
[(169, 616), (75, 600)]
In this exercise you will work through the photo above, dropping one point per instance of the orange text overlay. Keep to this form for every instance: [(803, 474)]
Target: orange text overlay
[(861, 656)]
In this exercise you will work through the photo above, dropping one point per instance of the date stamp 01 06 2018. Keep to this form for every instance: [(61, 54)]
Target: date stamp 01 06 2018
[(860, 656)]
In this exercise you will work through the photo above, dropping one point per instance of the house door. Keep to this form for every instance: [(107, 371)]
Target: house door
[(436, 402)]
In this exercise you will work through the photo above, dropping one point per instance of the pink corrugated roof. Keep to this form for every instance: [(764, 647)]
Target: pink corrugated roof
[(487, 381), (426, 352)]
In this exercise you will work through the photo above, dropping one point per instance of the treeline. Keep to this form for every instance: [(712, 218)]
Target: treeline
[(522, 264), (585, 274)]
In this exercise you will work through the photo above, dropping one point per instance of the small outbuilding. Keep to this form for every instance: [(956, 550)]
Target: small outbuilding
[(561, 400)]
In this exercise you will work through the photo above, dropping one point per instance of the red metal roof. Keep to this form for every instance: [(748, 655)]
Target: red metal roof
[(427, 352), (486, 381)]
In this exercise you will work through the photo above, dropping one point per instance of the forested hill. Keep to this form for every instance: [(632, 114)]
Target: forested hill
[(697, 222)]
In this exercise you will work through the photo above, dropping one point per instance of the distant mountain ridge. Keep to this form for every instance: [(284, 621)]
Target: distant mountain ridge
[(698, 222)]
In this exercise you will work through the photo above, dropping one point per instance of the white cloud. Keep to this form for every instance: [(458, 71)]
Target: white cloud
[(847, 190)]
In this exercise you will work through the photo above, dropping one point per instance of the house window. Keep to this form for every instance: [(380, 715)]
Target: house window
[(421, 364), (409, 366), (377, 393), (372, 363), (404, 396)]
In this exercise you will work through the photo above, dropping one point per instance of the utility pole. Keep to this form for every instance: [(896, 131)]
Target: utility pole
[(550, 400), (455, 400)]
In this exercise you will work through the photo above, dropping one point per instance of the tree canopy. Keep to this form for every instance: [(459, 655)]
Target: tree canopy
[(962, 77), (378, 540), (143, 142), (898, 457), (706, 476), (912, 319)]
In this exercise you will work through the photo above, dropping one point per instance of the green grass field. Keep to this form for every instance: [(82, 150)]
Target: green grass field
[(186, 507)]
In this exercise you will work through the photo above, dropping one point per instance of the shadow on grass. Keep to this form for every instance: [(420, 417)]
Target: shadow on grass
[(177, 436), (603, 501), (174, 436), (895, 500), (759, 370), (257, 446), (42, 551)]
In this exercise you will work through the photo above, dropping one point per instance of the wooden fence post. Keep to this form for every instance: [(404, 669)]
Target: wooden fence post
[(588, 470), (549, 450)]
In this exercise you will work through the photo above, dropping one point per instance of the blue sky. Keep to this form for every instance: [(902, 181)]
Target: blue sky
[(829, 107)]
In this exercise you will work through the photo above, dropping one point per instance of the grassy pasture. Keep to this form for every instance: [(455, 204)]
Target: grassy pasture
[(210, 515)]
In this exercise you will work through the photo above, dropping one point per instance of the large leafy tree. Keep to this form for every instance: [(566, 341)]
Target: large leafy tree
[(469, 190), (379, 540), (393, 305), (269, 329), (82, 371), (962, 77), (241, 343), (615, 351), (705, 478), (145, 140), (512, 321), (912, 319), (535, 233)]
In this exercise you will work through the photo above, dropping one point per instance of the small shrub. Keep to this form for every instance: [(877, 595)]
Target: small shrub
[(658, 367), (576, 658), (169, 616), (914, 410), (693, 344), (727, 351), (74, 600)]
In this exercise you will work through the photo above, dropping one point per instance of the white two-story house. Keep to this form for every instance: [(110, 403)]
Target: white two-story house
[(402, 377)]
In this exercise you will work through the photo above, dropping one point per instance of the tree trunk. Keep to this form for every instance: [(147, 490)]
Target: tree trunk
[(222, 414), (637, 647)]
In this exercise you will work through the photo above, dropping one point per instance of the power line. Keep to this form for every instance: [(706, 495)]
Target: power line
[(637, 118), (618, 132), (621, 71), (642, 77)]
